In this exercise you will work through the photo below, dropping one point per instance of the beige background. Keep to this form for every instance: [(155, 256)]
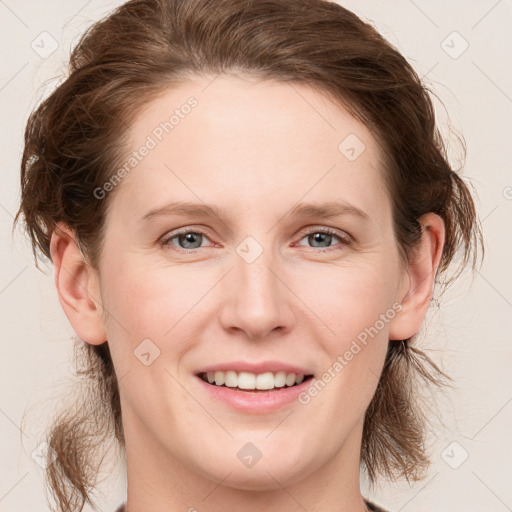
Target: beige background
[(470, 337)]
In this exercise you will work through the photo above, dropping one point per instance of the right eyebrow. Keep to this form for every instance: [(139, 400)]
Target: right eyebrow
[(185, 209)]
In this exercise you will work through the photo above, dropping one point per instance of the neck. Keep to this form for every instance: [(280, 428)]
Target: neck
[(162, 482)]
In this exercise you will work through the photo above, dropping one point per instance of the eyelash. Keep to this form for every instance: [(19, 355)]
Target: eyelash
[(344, 240)]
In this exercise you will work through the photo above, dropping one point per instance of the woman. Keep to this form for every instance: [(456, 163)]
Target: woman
[(183, 180)]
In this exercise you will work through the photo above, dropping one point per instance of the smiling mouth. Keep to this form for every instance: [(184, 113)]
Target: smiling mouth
[(272, 383)]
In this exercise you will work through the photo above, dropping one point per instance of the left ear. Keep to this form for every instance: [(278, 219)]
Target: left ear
[(416, 292)]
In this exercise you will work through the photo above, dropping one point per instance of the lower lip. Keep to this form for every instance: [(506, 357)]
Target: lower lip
[(255, 402)]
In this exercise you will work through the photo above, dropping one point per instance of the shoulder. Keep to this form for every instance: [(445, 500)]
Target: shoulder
[(372, 507)]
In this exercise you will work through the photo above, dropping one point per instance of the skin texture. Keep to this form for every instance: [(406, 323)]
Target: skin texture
[(254, 149)]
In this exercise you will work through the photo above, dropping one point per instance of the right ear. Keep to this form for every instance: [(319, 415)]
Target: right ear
[(77, 286)]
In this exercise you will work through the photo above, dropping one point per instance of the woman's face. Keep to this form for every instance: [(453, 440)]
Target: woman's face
[(257, 282)]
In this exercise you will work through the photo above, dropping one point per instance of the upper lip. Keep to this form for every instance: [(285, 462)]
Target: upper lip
[(256, 368)]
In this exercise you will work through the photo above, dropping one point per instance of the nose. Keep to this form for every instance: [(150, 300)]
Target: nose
[(257, 299)]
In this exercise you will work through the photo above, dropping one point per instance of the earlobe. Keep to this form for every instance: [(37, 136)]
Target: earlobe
[(77, 285), (423, 264)]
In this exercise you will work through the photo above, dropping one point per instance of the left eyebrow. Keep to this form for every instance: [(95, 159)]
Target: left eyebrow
[(302, 210), (328, 210)]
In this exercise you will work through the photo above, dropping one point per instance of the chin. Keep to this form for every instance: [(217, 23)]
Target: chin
[(269, 474), (259, 480)]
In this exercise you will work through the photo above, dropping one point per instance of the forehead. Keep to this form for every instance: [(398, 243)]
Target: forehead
[(235, 140)]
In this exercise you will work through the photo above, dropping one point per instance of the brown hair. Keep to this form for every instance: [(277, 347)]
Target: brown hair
[(75, 139)]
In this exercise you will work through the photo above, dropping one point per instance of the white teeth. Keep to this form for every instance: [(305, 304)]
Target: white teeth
[(265, 381), (230, 379), (280, 379), (247, 380), (290, 379)]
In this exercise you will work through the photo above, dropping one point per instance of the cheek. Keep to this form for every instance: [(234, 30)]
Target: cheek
[(339, 301), (350, 299), (148, 301), (357, 304)]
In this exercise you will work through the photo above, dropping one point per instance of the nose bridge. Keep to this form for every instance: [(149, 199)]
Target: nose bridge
[(257, 302), (255, 273)]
